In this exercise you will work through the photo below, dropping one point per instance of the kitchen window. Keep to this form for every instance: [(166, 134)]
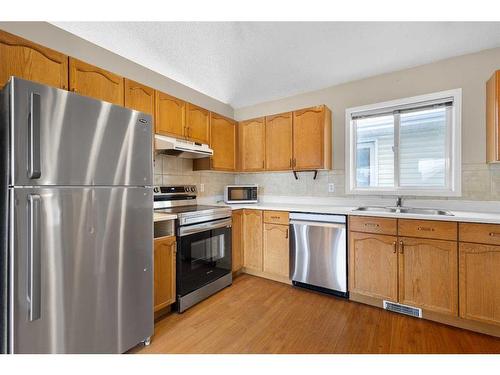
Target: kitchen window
[(405, 147)]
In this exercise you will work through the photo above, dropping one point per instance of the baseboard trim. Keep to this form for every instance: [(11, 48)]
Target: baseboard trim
[(266, 275), (455, 321)]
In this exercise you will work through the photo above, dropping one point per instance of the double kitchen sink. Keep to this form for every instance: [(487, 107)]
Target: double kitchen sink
[(404, 210)]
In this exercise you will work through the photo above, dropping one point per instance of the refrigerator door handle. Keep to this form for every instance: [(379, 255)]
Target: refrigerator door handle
[(34, 171), (34, 266)]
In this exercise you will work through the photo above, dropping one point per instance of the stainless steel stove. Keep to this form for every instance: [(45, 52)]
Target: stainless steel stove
[(203, 261)]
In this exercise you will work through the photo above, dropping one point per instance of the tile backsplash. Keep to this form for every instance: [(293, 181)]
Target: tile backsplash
[(479, 181), (170, 170)]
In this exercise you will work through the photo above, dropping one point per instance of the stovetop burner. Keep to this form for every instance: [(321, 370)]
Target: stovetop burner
[(181, 200), (184, 209)]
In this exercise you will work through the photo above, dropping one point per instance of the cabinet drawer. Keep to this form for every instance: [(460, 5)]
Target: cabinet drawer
[(441, 230), (369, 224), (480, 233), (276, 217)]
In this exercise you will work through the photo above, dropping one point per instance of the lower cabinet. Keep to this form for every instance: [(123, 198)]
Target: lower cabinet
[(164, 272), (479, 272), (420, 272), (237, 240), (252, 240), (262, 239), (276, 250), (428, 276), (373, 265)]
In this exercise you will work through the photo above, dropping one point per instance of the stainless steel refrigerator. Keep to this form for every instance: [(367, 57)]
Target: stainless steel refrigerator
[(76, 226)]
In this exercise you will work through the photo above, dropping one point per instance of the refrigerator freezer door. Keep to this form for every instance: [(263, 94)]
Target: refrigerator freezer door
[(82, 269), (61, 138)]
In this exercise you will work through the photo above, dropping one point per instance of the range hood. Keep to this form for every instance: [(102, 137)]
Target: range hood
[(181, 148)]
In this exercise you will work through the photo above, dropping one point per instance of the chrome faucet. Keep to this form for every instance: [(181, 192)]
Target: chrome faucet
[(399, 202)]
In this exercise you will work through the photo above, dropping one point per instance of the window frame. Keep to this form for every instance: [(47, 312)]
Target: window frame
[(453, 148)]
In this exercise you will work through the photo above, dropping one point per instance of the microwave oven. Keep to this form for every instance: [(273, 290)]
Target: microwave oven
[(241, 194)]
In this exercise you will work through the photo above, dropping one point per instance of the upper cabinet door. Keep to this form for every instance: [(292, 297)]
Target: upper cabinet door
[(170, 115), (312, 138), (89, 80), (493, 118), (197, 123), (139, 97), (279, 142), (252, 144), (24, 59), (223, 142)]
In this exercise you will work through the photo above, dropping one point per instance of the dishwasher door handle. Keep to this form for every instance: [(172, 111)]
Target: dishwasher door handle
[(317, 224)]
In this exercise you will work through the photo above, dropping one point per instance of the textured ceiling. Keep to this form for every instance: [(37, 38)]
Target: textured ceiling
[(244, 63)]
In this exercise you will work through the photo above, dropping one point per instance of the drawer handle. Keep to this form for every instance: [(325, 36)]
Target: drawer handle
[(372, 225), (494, 234), (426, 229), (275, 217)]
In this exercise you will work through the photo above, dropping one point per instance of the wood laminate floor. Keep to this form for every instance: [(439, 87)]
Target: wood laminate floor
[(256, 315)]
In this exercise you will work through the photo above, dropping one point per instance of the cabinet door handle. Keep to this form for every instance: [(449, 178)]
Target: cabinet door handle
[(426, 229), (401, 247), (263, 164), (395, 244), (286, 235), (290, 162)]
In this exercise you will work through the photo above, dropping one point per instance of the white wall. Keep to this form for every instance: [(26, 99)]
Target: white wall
[(469, 72), (60, 40)]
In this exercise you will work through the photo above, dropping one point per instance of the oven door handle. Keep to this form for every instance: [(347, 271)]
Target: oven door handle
[(192, 229)]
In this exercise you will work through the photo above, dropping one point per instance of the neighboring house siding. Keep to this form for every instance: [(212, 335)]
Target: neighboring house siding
[(422, 150)]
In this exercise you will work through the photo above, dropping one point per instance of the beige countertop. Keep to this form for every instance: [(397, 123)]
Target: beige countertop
[(464, 216), (157, 216)]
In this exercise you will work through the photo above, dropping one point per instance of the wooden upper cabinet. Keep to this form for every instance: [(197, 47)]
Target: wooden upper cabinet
[(139, 97), (373, 265), (312, 138), (279, 142), (252, 240), (89, 80), (480, 282), (197, 123), (237, 240), (428, 276), (24, 59), (493, 118), (164, 272), (170, 116), (252, 144), (223, 142)]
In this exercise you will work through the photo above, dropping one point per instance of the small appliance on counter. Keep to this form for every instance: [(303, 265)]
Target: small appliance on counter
[(241, 194), (203, 265)]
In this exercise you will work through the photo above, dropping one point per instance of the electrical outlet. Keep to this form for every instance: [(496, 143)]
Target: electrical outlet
[(202, 188), (331, 188)]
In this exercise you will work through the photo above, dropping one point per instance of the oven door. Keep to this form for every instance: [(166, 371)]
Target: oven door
[(203, 254)]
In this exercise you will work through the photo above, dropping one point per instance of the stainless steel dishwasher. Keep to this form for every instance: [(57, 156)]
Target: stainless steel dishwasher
[(318, 252)]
